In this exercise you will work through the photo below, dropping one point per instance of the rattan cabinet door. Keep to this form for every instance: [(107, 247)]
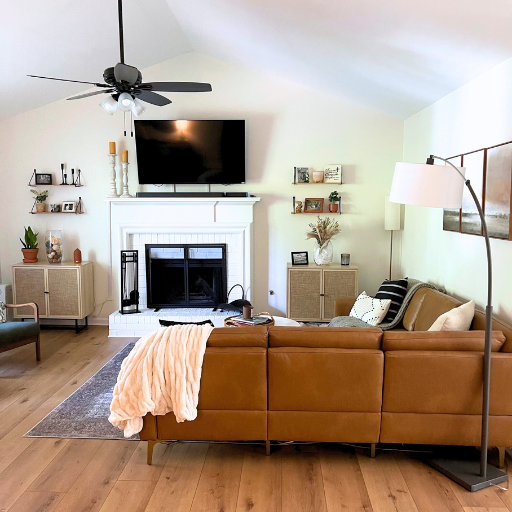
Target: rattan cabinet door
[(304, 294), (29, 287), (63, 297), (337, 284)]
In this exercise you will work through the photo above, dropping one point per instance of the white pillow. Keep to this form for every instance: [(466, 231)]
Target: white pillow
[(370, 310), (457, 319)]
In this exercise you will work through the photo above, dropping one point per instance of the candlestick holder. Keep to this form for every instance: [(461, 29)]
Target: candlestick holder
[(113, 184), (124, 165)]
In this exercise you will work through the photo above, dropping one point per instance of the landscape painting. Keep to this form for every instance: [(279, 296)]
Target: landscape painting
[(470, 220), (451, 217), (498, 186)]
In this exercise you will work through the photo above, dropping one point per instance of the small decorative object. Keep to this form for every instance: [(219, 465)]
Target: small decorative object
[(78, 181), (260, 319), (73, 177), (40, 200), (345, 259), (55, 208), (65, 179), (301, 174), (298, 207), (247, 312), (77, 256), (53, 245), (334, 199), (333, 174), (43, 179), (29, 246), (69, 206), (300, 258), (323, 231), (129, 282), (124, 165), (62, 173), (318, 176), (314, 205), (112, 162)]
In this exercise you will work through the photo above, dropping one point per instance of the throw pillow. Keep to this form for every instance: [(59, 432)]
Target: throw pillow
[(395, 291), (370, 310), (457, 319), (3, 313), (169, 323)]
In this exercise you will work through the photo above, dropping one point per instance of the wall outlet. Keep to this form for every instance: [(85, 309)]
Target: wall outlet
[(6, 297)]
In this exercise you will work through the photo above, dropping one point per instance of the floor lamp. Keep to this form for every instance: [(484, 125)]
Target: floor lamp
[(440, 186), (391, 223)]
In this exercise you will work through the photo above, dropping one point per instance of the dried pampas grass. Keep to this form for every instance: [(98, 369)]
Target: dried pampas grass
[(323, 231)]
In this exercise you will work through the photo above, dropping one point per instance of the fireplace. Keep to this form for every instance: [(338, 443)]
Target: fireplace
[(185, 275)]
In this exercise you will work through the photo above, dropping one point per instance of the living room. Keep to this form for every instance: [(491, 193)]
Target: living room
[(359, 87)]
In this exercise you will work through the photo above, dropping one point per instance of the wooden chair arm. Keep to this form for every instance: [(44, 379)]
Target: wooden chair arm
[(33, 305)]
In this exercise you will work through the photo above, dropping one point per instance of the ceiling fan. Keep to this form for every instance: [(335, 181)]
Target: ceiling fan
[(123, 84)]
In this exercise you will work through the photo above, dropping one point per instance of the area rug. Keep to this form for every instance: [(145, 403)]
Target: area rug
[(84, 414)]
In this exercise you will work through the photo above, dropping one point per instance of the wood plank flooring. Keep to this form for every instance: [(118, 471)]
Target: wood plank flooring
[(74, 475)]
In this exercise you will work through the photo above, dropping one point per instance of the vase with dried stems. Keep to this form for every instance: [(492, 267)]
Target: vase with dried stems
[(322, 232)]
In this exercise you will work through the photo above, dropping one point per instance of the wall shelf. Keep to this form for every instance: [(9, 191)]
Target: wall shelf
[(317, 213), (317, 183), (57, 185), (54, 213)]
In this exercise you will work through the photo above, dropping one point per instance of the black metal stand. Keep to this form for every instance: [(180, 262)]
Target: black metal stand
[(469, 473), (76, 327), (80, 329)]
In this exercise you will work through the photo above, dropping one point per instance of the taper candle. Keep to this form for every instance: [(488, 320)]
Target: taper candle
[(124, 157), (112, 147)]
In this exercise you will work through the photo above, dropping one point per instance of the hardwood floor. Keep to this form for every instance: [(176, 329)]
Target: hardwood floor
[(68, 475)]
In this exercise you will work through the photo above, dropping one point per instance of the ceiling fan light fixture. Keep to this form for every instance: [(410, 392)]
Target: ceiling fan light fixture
[(138, 107), (125, 102), (109, 105)]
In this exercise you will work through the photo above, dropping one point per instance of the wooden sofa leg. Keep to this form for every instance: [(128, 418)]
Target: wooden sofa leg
[(267, 451), (501, 456), (151, 445), (38, 349), (372, 450)]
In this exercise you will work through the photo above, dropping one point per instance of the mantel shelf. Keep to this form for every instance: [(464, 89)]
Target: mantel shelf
[(210, 200)]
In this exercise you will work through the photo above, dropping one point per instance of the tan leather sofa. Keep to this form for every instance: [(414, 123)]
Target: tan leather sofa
[(331, 384)]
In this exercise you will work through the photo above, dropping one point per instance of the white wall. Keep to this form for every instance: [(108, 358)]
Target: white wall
[(477, 115), (287, 125)]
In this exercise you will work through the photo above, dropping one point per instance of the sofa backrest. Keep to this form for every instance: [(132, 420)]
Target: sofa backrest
[(239, 337), (428, 304)]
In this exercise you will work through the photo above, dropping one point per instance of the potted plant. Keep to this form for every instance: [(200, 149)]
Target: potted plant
[(29, 246), (322, 232), (40, 200), (334, 199)]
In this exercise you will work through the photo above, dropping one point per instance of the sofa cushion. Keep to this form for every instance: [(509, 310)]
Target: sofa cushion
[(457, 319), (395, 291), (14, 332), (369, 309), (497, 325), (239, 337)]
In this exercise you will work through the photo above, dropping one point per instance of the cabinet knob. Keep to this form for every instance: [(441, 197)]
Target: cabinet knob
[(47, 292), (322, 295)]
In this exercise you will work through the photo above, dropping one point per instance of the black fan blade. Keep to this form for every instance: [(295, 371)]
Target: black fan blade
[(105, 91), (154, 99), (178, 86), (125, 73), (65, 80)]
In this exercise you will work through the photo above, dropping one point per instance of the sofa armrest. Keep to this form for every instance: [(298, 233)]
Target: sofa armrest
[(33, 305), (463, 341), (342, 306)]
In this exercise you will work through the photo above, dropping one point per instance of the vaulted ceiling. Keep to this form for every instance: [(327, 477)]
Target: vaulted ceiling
[(395, 56)]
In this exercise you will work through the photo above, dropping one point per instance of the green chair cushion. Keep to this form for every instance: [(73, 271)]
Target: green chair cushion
[(14, 332)]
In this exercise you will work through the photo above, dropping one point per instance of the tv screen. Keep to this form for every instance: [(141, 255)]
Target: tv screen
[(190, 151)]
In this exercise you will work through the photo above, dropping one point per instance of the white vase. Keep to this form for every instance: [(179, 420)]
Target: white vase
[(323, 255)]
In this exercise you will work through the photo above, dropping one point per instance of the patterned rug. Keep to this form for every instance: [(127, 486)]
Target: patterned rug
[(85, 413)]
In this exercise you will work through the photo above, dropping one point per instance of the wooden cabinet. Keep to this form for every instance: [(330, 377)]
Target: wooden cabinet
[(312, 290), (61, 290)]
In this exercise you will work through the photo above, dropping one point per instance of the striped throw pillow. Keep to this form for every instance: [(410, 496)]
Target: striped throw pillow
[(395, 291)]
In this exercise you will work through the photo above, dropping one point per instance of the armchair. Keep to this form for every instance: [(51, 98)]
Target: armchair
[(17, 334)]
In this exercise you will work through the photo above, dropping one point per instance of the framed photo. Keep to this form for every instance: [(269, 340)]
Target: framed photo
[(300, 258), (332, 174), (69, 207), (301, 174), (43, 179), (313, 205)]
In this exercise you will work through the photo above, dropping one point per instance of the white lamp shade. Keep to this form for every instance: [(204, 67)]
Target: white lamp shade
[(437, 186), (391, 216), (138, 107), (125, 102), (109, 105)]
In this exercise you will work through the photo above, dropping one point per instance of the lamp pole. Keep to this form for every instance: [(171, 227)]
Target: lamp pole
[(451, 469)]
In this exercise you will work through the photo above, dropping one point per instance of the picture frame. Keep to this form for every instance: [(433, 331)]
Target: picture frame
[(301, 174), (313, 205), (43, 179), (300, 258), (68, 207), (333, 174)]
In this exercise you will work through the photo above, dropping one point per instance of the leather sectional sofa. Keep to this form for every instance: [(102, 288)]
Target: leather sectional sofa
[(352, 385)]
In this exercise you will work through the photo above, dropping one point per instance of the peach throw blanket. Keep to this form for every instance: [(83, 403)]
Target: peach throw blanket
[(161, 374)]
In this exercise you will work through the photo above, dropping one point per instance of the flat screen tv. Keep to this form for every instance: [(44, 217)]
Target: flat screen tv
[(180, 151)]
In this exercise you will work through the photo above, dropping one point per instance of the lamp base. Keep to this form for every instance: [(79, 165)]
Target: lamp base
[(467, 473)]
